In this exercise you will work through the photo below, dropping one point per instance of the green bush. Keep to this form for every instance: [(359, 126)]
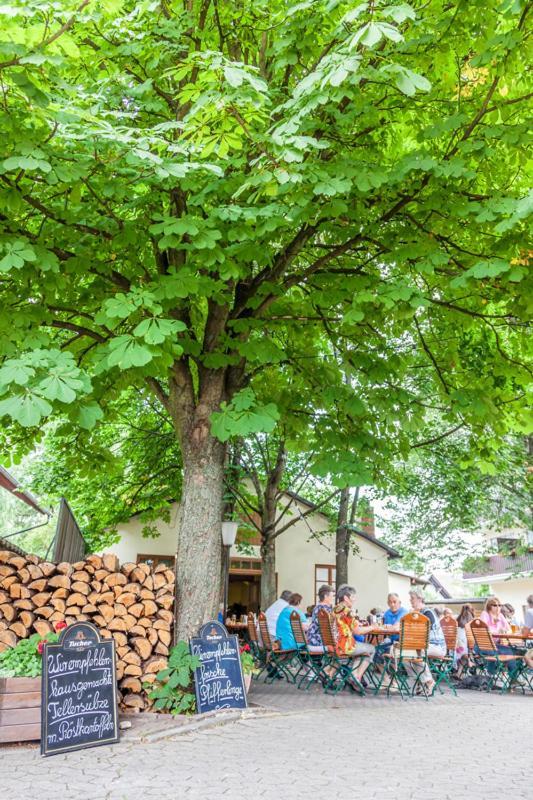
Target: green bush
[(173, 686), (25, 659)]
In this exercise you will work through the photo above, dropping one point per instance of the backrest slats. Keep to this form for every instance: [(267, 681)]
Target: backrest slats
[(297, 629), (482, 636), (449, 629), (252, 630), (414, 631), (326, 629), (265, 633)]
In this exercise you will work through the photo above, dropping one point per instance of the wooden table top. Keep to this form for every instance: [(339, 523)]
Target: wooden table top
[(521, 636), (384, 631)]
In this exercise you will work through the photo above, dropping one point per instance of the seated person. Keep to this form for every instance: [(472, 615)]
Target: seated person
[(509, 614), (436, 643), (272, 613), (497, 622), (326, 598), (349, 626), (461, 657), (391, 618), (283, 627), (393, 614), (493, 618), (528, 629)]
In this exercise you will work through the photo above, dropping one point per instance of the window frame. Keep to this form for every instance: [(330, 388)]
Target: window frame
[(332, 578)]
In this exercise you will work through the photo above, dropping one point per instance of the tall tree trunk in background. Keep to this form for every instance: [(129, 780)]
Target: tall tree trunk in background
[(345, 518), (341, 539), (268, 573)]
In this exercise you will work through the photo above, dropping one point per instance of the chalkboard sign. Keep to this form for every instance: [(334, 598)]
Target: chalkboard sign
[(79, 697), (218, 680)]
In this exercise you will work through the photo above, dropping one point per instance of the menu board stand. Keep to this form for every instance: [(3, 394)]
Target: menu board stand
[(79, 691), (218, 681)]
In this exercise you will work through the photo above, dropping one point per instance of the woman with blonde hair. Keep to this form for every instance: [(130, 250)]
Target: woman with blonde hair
[(493, 618)]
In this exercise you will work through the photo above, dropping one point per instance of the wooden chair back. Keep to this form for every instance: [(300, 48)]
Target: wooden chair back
[(326, 630), (297, 630), (449, 629), (482, 636), (252, 630), (265, 633), (414, 631), (469, 637)]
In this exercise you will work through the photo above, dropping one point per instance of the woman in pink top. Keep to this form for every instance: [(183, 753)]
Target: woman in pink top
[(493, 617)]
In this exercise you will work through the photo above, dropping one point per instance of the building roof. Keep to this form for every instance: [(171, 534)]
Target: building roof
[(415, 579), (5, 544), (499, 565), (367, 536), (7, 481), (454, 601), (373, 540)]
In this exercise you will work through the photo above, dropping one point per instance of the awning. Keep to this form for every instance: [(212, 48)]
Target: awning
[(8, 482)]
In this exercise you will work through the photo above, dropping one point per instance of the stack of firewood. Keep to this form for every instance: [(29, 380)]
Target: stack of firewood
[(132, 603)]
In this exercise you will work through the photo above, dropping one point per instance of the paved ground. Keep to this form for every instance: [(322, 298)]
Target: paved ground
[(473, 747)]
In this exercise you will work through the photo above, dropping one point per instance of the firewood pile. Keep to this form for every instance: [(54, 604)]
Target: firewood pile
[(133, 603)]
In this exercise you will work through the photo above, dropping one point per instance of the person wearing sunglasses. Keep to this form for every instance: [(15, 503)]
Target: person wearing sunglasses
[(493, 618)]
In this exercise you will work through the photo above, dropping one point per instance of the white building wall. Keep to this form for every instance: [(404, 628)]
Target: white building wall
[(297, 553), (132, 543)]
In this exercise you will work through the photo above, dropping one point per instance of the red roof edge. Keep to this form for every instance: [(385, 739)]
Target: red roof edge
[(8, 482)]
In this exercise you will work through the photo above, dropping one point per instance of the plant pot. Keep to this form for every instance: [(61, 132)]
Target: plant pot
[(247, 681), (20, 709)]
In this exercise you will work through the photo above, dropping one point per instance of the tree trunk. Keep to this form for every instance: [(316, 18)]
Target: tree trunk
[(268, 573), (342, 539), (199, 535)]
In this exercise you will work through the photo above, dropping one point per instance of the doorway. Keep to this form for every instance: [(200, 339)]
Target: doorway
[(244, 591)]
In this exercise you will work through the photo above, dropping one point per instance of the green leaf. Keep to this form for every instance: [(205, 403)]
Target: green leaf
[(125, 352), (28, 409), (155, 331), (234, 76), (88, 414)]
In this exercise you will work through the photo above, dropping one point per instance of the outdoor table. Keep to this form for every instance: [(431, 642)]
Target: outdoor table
[(382, 633), (523, 637)]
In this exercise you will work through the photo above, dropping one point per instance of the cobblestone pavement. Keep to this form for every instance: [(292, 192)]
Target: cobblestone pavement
[(473, 747)]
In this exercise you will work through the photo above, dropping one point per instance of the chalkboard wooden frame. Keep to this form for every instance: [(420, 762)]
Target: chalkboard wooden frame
[(213, 633), (84, 635)]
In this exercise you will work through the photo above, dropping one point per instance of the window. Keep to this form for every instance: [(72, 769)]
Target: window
[(240, 566), (324, 573), (154, 561)]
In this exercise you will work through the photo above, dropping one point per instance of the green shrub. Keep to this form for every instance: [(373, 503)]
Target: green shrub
[(173, 686), (25, 659)]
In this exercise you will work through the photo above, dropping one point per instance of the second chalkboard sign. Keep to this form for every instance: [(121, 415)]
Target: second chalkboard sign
[(79, 691), (218, 680)]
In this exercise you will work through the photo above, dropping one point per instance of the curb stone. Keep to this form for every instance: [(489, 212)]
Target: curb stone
[(211, 719)]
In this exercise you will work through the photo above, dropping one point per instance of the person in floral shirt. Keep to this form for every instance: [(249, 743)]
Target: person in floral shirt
[(349, 626), (326, 598)]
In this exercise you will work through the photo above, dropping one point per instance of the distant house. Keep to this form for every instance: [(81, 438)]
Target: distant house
[(508, 570), (402, 582), (305, 558)]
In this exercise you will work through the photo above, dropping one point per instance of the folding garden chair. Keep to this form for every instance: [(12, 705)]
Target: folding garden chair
[(259, 653), (311, 660), (441, 666), (337, 668), (495, 666), (408, 656), (278, 662)]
